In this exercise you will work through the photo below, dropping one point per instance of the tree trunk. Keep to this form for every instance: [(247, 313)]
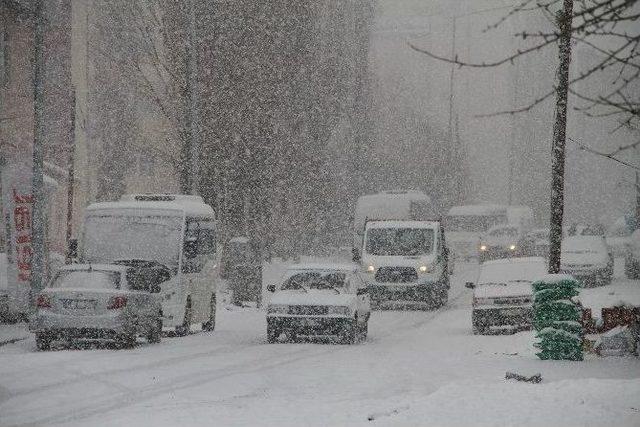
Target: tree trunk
[(637, 224), (559, 136)]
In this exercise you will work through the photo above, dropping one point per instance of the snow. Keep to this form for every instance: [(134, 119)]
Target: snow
[(417, 368), (622, 292), (313, 297), (555, 278)]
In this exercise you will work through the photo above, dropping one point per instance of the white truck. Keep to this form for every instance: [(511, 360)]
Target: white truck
[(466, 225), (178, 233)]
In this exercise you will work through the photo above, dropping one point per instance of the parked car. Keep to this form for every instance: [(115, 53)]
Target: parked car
[(632, 256), (499, 241), (534, 243), (619, 237), (502, 294), (319, 300), (587, 258), (100, 302)]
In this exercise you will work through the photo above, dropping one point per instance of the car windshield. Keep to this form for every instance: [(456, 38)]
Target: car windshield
[(504, 232), (87, 279), (511, 273), (472, 223), (115, 237), (315, 280), (400, 241), (579, 245)]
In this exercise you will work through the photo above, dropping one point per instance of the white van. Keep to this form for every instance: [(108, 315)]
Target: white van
[(406, 261), (178, 232), (389, 205)]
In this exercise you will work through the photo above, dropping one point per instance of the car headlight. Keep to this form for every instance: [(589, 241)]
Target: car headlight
[(423, 269), (371, 269), (277, 309), (512, 247), (340, 310), (483, 247)]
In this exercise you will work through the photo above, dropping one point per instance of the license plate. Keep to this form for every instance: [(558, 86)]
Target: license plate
[(78, 304)]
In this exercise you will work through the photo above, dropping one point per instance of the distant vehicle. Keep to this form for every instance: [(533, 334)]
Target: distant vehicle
[(389, 205), (406, 261), (5, 314), (176, 231), (319, 300), (500, 241), (502, 294), (465, 225), (632, 256), (242, 266), (619, 237), (577, 229), (534, 243), (588, 259), (100, 302)]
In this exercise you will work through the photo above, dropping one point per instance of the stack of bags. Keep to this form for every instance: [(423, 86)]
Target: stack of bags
[(557, 318)]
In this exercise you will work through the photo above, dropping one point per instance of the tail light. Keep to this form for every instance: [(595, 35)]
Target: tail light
[(117, 302), (43, 301)]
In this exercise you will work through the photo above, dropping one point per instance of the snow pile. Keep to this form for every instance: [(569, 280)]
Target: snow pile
[(584, 402)]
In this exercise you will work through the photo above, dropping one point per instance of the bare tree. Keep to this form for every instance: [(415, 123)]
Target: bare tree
[(608, 27)]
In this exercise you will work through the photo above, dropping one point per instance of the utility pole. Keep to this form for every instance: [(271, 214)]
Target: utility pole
[(70, 183), (193, 150), (38, 214), (637, 201), (564, 20)]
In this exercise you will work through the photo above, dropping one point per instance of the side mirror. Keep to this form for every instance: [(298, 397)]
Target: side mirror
[(356, 255), (362, 291), (271, 288), (469, 285)]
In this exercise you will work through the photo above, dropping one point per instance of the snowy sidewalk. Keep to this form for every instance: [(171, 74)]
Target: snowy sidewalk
[(13, 333)]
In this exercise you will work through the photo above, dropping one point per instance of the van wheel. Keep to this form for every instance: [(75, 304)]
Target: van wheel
[(364, 331), (43, 342), (272, 334), (127, 340), (155, 334), (210, 324), (185, 328)]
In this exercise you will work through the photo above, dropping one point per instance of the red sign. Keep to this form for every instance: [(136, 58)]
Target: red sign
[(23, 206)]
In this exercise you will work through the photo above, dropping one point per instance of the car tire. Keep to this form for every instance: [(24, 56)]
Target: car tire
[(127, 340), (43, 341), (272, 334), (185, 328), (350, 331), (632, 268), (210, 325), (364, 331), (155, 334)]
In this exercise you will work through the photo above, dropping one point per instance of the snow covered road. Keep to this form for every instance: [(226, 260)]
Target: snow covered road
[(416, 368)]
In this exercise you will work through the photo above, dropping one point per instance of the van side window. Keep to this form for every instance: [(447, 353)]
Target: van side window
[(207, 242)]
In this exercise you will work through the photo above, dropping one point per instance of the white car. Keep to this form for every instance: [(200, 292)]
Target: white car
[(319, 300), (502, 295), (100, 302), (587, 258), (500, 241)]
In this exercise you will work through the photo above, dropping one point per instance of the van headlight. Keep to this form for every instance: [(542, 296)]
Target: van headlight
[(371, 269), (512, 247), (339, 310), (483, 247), (277, 309), (423, 269)]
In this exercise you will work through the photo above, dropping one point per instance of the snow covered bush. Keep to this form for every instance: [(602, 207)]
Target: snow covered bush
[(556, 318)]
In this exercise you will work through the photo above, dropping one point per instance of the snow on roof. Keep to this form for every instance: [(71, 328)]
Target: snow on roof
[(323, 266), (488, 209), (520, 260), (583, 242), (402, 224), (239, 239), (100, 267), (555, 278), (387, 205), (188, 206)]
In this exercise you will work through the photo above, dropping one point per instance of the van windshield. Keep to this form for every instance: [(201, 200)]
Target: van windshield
[(114, 237), (400, 241), (315, 280), (473, 223)]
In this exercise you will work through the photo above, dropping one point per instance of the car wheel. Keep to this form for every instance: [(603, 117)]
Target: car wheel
[(210, 325), (272, 334), (155, 334), (43, 341), (185, 328), (349, 333), (127, 340), (364, 331)]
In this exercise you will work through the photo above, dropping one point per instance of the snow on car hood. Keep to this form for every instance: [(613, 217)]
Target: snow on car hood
[(583, 258), (312, 297), (499, 291), (397, 261)]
